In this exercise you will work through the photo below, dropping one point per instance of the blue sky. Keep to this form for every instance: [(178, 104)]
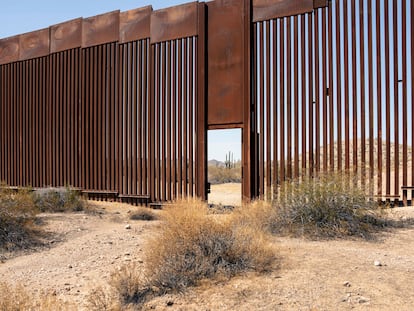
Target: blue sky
[(22, 16), (17, 17)]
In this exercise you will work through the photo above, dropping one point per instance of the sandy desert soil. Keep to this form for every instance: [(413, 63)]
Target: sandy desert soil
[(225, 194), (309, 275)]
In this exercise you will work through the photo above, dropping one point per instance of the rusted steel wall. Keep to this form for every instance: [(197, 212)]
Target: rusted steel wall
[(331, 92), (107, 104), (119, 104)]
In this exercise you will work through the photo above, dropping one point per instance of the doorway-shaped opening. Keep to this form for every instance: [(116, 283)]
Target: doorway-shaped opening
[(224, 167)]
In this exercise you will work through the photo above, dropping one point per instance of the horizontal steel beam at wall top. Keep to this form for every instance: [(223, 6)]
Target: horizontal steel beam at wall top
[(160, 25)]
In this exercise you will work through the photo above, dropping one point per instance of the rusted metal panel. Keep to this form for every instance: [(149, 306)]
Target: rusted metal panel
[(100, 29), (135, 24), (270, 9), (338, 84), (370, 92), (226, 58), (9, 50), (289, 96), (66, 35), (379, 97), (34, 44), (396, 99), (404, 100), (346, 83), (320, 3), (354, 91), (331, 90), (362, 95), (387, 101), (324, 95), (174, 22)]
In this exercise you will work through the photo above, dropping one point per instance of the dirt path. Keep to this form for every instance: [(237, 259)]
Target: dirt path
[(312, 275), (87, 249)]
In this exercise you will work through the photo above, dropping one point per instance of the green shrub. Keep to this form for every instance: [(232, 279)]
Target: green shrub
[(329, 205)]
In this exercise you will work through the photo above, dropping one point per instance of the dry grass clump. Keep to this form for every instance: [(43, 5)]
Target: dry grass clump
[(19, 207), (17, 298), (17, 216), (59, 200), (329, 205), (143, 213), (192, 245), (102, 299)]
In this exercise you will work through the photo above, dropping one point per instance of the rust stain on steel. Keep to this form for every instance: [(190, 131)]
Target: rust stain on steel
[(226, 58), (174, 22), (34, 44), (9, 50), (269, 9), (66, 35), (135, 24), (100, 29)]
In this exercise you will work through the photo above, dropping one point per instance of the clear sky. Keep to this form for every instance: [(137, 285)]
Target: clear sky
[(21, 16)]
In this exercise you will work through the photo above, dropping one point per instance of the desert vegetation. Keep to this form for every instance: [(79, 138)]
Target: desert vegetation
[(19, 208), (327, 205), (143, 213), (191, 244), (224, 172), (17, 298)]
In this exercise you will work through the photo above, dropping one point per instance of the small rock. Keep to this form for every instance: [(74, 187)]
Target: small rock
[(170, 303), (363, 300), (70, 267), (347, 284), (128, 226), (377, 263)]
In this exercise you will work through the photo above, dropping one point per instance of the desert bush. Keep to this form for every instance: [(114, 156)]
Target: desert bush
[(192, 244), (102, 299), (329, 205), (19, 207), (142, 213), (17, 298), (17, 215), (59, 200), (221, 175), (131, 285)]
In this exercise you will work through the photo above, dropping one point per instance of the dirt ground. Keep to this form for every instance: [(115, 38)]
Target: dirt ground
[(308, 275), (225, 194)]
